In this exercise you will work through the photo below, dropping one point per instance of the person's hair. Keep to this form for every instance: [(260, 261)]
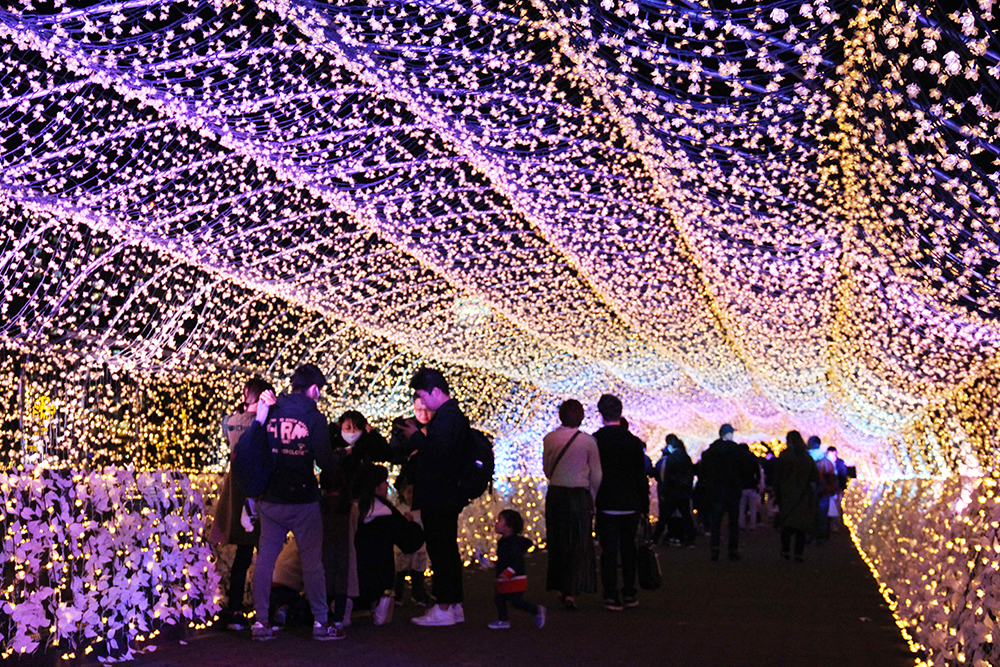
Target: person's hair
[(306, 376), (513, 520), (726, 428), (256, 386), (366, 480), (795, 442), (355, 418), (571, 413), (672, 439), (426, 379), (831, 448), (814, 442), (610, 407)]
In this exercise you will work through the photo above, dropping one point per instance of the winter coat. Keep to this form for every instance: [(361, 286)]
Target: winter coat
[(299, 438), (226, 526), (376, 534), (439, 459), (624, 486), (795, 480), (510, 570), (723, 469), (675, 476)]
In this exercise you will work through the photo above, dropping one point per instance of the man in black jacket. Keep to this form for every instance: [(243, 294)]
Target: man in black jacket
[(298, 436), (622, 499), (436, 493), (722, 470)]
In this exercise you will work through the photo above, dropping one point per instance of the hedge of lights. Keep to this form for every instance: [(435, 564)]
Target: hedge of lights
[(934, 546)]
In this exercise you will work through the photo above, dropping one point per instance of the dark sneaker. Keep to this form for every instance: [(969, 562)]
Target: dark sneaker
[(613, 604), (631, 601), (236, 622), (261, 633), (325, 632), (281, 616)]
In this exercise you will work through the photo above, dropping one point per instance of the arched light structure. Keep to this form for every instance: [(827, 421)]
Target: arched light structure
[(774, 214)]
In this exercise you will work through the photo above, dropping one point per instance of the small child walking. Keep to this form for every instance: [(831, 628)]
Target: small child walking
[(511, 579)]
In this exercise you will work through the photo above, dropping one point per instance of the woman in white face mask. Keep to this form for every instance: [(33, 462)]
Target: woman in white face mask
[(363, 443)]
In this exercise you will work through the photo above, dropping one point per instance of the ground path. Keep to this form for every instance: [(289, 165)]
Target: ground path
[(759, 612)]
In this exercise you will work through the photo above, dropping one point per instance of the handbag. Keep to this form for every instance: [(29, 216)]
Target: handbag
[(647, 561)]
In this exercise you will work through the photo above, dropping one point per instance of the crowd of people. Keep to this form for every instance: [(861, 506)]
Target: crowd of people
[(352, 547)]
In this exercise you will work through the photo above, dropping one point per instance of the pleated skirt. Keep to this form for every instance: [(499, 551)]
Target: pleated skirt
[(570, 541)]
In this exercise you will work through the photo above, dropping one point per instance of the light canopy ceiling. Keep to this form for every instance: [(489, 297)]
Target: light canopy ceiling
[(781, 215)]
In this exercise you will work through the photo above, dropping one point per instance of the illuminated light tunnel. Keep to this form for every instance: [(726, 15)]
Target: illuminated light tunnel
[(779, 215)]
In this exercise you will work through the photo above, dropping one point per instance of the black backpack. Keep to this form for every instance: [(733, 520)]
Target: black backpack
[(476, 475), (253, 463)]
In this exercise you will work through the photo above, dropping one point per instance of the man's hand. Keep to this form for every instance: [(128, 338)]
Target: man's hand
[(264, 404), (408, 428)]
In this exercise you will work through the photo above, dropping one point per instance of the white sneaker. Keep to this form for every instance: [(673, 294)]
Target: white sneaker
[(458, 612), (382, 612), (436, 616)]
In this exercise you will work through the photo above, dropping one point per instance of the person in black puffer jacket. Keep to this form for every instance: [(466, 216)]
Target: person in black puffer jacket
[(722, 472)]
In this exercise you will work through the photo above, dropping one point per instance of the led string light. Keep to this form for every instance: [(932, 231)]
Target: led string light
[(777, 215), (932, 546)]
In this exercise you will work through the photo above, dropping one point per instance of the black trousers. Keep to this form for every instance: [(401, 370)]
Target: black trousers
[(730, 506), (616, 533), (238, 577), (516, 601), (441, 537), (786, 540)]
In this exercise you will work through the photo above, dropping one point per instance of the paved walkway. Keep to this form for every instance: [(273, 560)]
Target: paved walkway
[(758, 612)]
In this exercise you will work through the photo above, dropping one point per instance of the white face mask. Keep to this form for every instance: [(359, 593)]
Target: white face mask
[(350, 438)]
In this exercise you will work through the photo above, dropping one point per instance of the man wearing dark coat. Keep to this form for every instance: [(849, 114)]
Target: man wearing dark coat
[(436, 491), (622, 501), (722, 470)]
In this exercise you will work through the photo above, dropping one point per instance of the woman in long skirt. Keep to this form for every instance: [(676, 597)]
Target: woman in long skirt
[(573, 468)]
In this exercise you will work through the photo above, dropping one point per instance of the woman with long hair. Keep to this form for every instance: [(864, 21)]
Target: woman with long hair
[(380, 526), (795, 480)]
